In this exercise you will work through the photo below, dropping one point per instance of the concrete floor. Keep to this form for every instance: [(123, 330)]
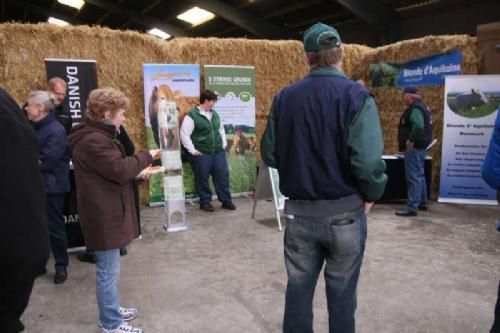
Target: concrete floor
[(438, 272)]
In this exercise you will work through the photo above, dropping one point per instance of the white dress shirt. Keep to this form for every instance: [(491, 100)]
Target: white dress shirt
[(187, 129)]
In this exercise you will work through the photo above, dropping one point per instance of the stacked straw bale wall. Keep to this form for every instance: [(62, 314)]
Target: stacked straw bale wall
[(389, 100), (120, 54)]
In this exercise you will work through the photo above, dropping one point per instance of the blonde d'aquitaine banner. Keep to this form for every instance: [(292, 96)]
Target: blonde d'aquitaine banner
[(168, 83), (470, 106), (235, 86)]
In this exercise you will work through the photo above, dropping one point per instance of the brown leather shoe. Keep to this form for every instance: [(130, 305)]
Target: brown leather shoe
[(61, 275), (207, 207), (228, 205), (405, 212)]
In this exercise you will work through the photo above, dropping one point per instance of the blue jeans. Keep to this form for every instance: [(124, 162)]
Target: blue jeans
[(107, 274), (57, 229), (216, 166), (415, 178), (309, 242)]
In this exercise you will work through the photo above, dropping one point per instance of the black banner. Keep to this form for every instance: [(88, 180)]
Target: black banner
[(81, 77)]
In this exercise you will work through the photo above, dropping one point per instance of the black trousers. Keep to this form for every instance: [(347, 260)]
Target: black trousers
[(496, 323), (15, 291)]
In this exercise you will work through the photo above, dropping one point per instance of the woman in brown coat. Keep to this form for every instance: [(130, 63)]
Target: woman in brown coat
[(105, 180)]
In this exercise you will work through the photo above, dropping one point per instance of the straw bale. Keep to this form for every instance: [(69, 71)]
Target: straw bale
[(119, 57), (389, 100)]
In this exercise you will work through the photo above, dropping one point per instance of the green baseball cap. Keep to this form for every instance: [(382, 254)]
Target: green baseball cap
[(321, 37)]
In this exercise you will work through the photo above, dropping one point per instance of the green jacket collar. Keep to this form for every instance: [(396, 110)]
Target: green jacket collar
[(326, 71)]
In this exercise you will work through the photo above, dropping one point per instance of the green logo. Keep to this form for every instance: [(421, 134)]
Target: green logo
[(245, 96)]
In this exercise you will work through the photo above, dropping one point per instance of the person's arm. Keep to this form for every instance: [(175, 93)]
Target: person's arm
[(268, 140), (366, 146), (54, 149), (417, 125), (490, 169), (187, 129), (107, 160), (223, 136)]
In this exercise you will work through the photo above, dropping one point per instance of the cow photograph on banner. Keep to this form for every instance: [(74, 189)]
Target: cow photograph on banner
[(81, 78), (419, 72), (471, 103), (235, 87), (169, 83)]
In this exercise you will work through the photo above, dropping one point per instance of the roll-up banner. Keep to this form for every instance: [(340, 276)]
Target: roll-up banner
[(471, 103), (172, 83), (419, 72), (235, 87), (81, 77)]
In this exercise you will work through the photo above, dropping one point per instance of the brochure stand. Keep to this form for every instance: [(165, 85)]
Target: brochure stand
[(267, 188), (173, 186)]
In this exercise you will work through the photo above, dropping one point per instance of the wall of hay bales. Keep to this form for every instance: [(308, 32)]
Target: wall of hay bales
[(389, 99), (120, 55)]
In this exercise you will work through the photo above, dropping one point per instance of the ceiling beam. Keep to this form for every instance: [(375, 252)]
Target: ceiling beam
[(145, 20), (102, 18), (26, 11), (256, 25), (46, 12), (292, 8), (371, 11), (144, 11)]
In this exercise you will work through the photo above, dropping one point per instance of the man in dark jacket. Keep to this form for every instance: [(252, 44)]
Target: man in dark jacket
[(323, 135), (57, 87), (24, 240), (414, 135), (490, 171), (54, 165)]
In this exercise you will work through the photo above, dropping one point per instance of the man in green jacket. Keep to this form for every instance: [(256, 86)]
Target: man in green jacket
[(414, 136), (203, 136), (323, 135)]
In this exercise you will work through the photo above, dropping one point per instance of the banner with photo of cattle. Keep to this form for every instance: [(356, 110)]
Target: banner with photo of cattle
[(420, 72), (168, 83), (235, 86), (471, 103)]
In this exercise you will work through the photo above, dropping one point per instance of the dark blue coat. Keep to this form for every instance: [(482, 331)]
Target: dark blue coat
[(54, 154)]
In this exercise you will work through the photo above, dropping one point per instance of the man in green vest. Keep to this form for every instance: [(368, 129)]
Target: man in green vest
[(203, 136)]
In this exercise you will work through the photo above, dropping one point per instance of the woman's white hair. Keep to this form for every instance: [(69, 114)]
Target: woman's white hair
[(44, 98)]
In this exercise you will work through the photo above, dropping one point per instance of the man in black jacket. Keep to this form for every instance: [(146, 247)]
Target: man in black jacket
[(24, 240), (57, 87)]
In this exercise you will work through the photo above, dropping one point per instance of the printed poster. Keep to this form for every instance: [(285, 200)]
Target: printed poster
[(177, 83), (471, 104), (420, 72), (235, 86)]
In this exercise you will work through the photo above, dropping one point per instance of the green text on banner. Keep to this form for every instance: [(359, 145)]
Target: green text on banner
[(235, 86)]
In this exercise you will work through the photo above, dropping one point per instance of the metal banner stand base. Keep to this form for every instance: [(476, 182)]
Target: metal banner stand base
[(175, 210)]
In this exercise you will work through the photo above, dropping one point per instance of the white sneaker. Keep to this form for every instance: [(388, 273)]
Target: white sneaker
[(128, 314), (123, 328)]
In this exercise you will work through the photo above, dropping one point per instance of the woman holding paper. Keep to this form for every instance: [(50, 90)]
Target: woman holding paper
[(105, 179)]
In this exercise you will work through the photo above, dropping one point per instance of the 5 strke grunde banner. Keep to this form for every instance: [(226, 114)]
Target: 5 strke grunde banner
[(235, 87), (471, 104)]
